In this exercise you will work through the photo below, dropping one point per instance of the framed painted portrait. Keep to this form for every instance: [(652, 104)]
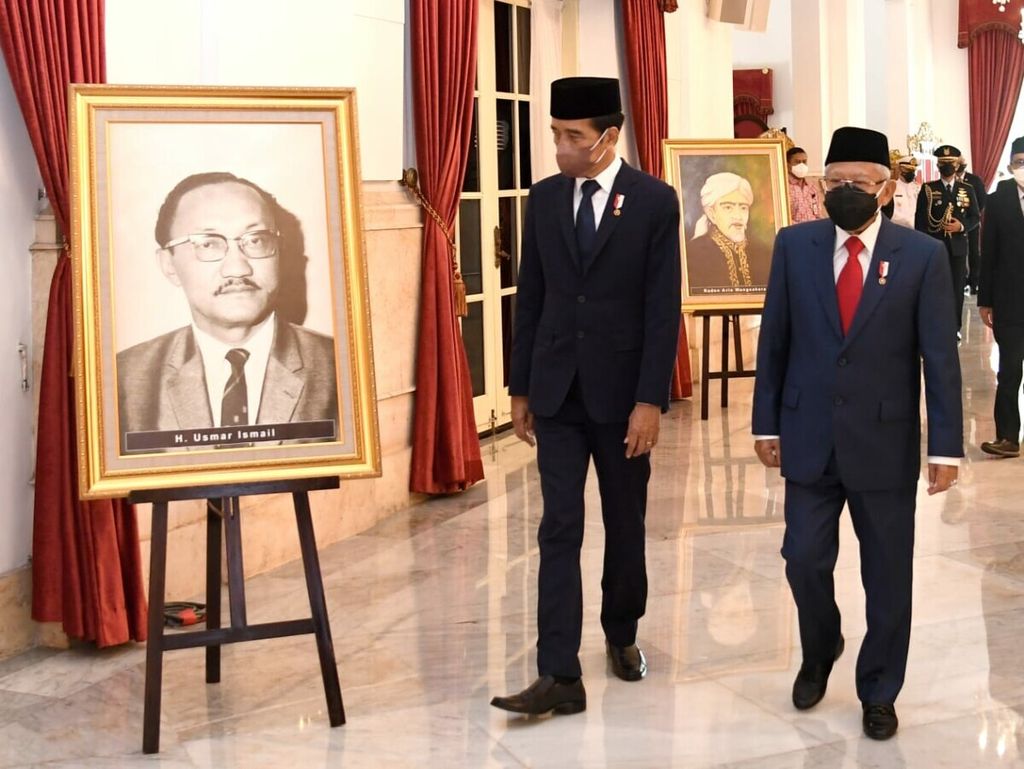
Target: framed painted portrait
[(221, 311), (734, 198)]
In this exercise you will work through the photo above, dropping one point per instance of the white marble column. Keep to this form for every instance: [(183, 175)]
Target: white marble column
[(699, 62)]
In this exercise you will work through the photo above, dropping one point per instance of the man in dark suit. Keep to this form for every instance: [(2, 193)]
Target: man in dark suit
[(973, 236), (853, 305), (597, 320), (948, 210), (237, 364), (1001, 299)]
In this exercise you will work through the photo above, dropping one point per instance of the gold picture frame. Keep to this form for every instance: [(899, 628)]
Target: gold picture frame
[(254, 193), (744, 181)]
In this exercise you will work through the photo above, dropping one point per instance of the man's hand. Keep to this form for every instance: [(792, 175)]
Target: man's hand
[(522, 419), (642, 434), (954, 226), (769, 452), (941, 478), (986, 315)]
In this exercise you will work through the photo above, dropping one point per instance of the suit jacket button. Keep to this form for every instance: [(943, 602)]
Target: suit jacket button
[(581, 299), (580, 335), (837, 401), (842, 361)]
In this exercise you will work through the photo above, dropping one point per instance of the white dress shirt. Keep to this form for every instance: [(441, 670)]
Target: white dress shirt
[(905, 202), (218, 368), (1020, 194), (600, 197), (839, 257)]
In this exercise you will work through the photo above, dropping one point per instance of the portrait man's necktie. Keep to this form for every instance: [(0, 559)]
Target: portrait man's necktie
[(234, 406), (850, 284), (586, 227)]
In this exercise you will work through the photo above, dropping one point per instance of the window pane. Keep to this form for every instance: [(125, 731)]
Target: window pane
[(525, 168), (523, 49), (509, 241), (503, 46), (506, 146), (469, 246), (473, 339), (472, 181), (508, 315)]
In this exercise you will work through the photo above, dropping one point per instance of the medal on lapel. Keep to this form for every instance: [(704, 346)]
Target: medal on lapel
[(617, 202), (883, 273), (963, 200)]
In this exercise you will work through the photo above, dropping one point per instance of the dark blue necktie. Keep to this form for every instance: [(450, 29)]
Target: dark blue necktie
[(234, 406), (586, 228)]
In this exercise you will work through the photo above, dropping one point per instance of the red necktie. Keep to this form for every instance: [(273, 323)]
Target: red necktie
[(850, 283)]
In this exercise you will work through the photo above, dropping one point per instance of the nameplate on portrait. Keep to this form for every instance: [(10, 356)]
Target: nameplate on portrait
[(163, 440)]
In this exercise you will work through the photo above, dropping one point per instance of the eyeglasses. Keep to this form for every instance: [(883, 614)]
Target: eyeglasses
[(212, 246), (863, 186), (1018, 163)]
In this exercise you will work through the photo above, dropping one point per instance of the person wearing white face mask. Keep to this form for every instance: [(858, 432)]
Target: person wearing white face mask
[(1000, 289), (593, 348), (804, 198)]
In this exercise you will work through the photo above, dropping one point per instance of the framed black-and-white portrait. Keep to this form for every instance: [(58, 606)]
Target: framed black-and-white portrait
[(734, 199), (221, 305)]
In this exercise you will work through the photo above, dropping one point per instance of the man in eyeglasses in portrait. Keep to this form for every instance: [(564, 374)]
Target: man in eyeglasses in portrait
[(238, 364)]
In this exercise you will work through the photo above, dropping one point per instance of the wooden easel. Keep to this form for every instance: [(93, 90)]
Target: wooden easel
[(729, 317), (222, 510)]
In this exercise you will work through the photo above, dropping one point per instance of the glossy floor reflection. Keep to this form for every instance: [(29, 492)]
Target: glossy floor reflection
[(433, 612)]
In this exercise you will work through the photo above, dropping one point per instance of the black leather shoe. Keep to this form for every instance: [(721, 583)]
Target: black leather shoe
[(1001, 448), (544, 695), (880, 722), (628, 662), (812, 680)]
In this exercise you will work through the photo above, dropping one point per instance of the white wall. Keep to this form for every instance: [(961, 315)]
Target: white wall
[(321, 43), (19, 181), (772, 48)]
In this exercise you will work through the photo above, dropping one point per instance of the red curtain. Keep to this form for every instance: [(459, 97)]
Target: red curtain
[(446, 449), (86, 568), (977, 16), (644, 32), (995, 62)]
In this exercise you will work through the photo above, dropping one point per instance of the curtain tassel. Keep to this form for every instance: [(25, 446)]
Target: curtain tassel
[(410, 180), (461, 307)]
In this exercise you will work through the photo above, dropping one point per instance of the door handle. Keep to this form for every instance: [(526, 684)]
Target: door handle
[(499, 254)]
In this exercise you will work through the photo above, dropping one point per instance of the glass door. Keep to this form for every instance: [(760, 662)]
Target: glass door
[(498, 178)]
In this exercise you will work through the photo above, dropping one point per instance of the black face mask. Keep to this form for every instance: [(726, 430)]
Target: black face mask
[(909, 176), (850, 208), (946, 170)]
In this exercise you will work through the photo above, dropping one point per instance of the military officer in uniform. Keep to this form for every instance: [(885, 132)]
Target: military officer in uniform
[(948, 210), (908, 189), (974, 236)]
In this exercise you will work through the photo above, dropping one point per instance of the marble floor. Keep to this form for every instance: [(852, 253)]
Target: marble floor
[(433, 613)]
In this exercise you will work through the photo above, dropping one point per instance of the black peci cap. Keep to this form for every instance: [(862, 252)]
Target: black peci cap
[(1018, 146), (578, 98), (858, 145)]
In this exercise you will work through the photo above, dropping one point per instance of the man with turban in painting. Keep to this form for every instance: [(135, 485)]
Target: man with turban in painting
[(720, 257)]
